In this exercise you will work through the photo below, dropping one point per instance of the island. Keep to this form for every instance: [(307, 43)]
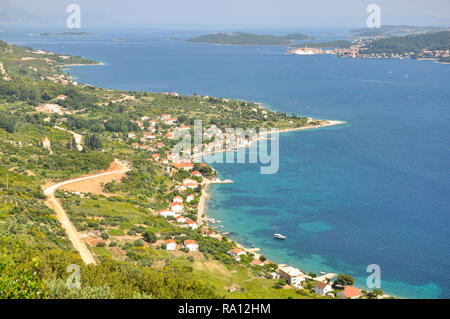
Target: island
[(241, 38), (63, 34)]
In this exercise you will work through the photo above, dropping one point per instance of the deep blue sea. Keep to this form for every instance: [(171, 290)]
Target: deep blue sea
[(373, 191)]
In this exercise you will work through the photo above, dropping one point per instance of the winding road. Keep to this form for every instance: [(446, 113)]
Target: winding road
[(61, 214)]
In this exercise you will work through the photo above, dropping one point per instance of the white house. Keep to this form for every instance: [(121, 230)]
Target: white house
[(46, 143), (293, 276), (171, 244), (176, 207), (166, 212), (181, 219), (191, 245), (322, 288), (190, 198), (177, 199), (237, 253), (192, 224)]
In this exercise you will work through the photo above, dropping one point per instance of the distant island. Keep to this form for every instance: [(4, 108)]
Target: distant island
[(240, 38), (45, 34), (427, 46)]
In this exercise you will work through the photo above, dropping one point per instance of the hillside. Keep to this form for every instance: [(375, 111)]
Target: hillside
[(120, 221)]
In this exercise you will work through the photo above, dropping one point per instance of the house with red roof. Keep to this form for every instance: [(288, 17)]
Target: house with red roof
[(171, 244), (176, 207), (192, 224), (191, 245), (257, 262), (197, 174), (166, 212), (349, 292), (177, 199), (237, 253), (322, 288)]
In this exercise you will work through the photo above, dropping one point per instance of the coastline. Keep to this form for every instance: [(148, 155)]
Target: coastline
[(201, 211), (325, 123), (205, 195), (82, 64), (202, 217)]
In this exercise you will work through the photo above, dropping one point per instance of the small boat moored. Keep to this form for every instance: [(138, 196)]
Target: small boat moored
[(279, 236)]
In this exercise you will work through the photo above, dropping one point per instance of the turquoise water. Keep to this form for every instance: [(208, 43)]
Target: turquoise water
[(372, 191)]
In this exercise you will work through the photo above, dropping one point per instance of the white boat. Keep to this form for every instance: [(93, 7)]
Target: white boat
[(322, 272), (279, 236)]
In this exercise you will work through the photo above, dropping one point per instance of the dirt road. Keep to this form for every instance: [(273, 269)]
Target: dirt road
[(53, 203)]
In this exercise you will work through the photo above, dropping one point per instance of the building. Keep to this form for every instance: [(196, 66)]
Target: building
[(349, 292), (181, 219), (197, 174), (181, 188), (193, 225), (166, 212), (191, 245), (50, 108), (322, 288), (293, 276), (177, 199), (237, 253), (46, 143), (257, 262), (171, 244), (185, 166), (190, 198), (176, 207)]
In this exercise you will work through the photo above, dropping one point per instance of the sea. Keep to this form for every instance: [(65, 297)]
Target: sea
[(375, 190)]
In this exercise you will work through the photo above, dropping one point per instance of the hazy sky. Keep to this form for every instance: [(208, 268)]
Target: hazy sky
[(256, 13)]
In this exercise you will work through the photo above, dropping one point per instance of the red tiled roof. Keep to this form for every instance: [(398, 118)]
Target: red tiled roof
[(321, 285), (350, 292)]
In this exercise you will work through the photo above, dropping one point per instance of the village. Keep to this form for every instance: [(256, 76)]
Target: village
[(186, 210)]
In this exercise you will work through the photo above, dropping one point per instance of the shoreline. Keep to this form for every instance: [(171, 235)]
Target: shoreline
[(201, 211), (202, 217), (325, 123), (82, 64)]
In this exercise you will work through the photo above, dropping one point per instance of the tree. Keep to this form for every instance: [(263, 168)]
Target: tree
[(93, 142), (149, 236), (344, 280)]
